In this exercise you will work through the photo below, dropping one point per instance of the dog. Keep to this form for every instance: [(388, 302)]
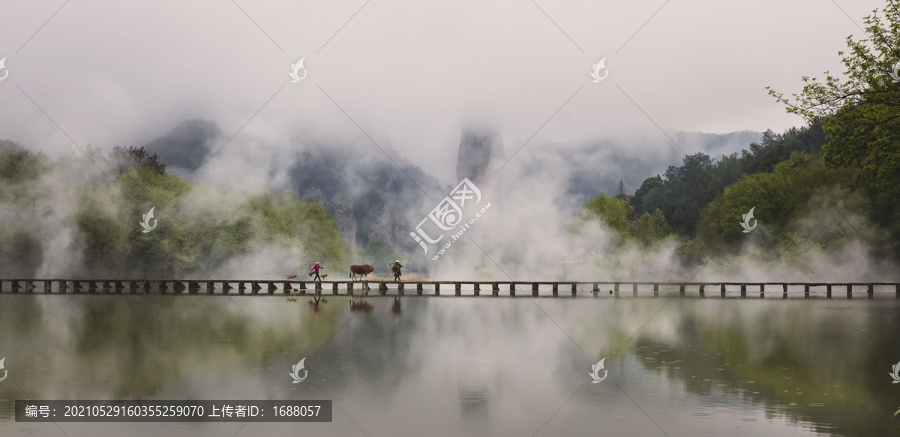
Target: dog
[(291, 277)]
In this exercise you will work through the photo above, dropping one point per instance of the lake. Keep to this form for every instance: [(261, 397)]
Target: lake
[(464, 366)]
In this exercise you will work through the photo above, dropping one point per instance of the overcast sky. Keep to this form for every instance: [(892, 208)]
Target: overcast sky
[(408, 72)]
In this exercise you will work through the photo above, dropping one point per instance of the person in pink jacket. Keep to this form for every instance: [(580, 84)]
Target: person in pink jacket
[(316, 268)]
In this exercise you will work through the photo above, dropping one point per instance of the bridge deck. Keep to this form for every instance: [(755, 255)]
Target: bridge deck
[(444, 288)]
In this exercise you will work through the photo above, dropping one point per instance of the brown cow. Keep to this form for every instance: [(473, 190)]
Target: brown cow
[(362, 270)]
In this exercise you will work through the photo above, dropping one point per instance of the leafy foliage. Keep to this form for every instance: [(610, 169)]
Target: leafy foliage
[(862, 114)]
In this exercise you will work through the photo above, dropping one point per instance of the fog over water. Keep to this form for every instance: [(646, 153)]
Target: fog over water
[(392, 88)]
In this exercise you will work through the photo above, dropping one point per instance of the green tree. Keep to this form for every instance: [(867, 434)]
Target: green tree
[(862, 114)]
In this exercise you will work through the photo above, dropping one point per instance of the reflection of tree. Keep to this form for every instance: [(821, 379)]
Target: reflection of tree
[(132, 347), (794, 353)]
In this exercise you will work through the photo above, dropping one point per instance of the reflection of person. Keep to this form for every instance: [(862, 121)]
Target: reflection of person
[(396, 307), (316, 269), (395, 267), (315, 304)]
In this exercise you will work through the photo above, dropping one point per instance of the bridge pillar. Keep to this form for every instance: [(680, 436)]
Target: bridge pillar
[(722, 290), (828, 291), (400, 289), (210, 287), (681, 289), (458, 286), (179, 287), (806, 291), (63, 286), (272, 288), (555, 289), (634, 289), (47, 287), (849, 291), (534, 290), (418, 289), (301, 287), (334, 288), (784, 291), (512, 289), (702, 290), (616, 289), (92, 286), (254, 287), (870, 291), (762, 290), (574, 289), (743, 290), (241, 287), (477, 288), (349, 289), (163, 286), (437, 289), (146, 287), (495, 289)]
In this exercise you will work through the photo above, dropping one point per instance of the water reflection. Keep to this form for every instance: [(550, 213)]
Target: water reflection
[(468, 366)]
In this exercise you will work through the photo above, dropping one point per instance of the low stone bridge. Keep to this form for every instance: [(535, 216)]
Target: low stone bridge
[(264, 287)]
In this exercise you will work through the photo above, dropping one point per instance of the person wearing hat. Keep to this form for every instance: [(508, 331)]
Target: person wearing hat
[(395, 267), (316, 269)]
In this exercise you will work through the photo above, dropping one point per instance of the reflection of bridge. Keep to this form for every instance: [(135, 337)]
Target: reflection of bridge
[(439, 288)]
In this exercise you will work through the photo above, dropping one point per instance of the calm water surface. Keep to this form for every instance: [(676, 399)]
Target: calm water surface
[(465, 366)]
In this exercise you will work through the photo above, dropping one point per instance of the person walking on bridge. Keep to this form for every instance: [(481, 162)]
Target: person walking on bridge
[(316, 268), (395, 267)]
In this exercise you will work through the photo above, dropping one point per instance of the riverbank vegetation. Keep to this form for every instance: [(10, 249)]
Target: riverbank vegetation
[(813, 190), (90, 208)]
